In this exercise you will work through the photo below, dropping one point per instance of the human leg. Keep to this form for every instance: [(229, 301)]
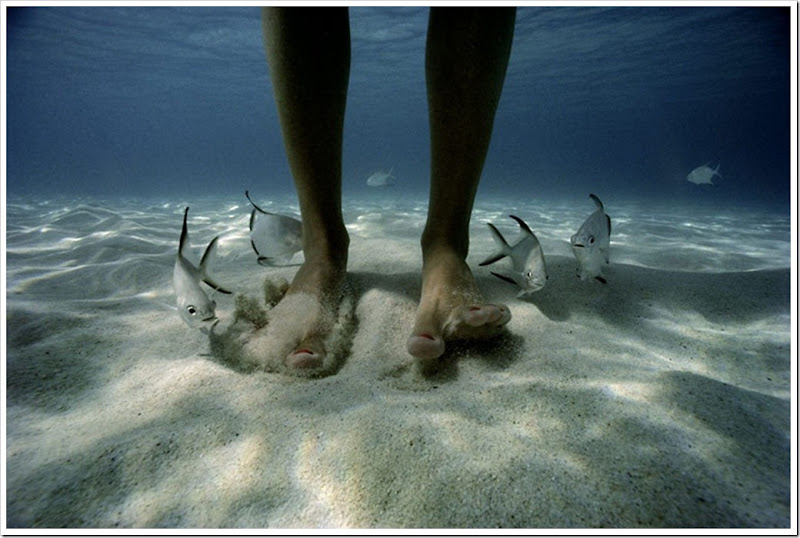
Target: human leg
[(466, 58), (308, 53)]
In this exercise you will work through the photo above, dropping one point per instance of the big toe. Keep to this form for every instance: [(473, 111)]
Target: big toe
[(426, 346), (304, 359), (308, 355)]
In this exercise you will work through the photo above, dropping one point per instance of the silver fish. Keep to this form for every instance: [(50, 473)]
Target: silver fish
[(527, 260), (702, 175), (591, 244), (275, 238), (381, 179), (194, 306)]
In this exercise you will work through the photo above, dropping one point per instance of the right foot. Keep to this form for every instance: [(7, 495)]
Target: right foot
[(451, 308)]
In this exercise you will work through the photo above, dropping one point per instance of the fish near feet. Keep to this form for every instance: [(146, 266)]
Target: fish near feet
[(528, 269), (195, 307), (275, 238)]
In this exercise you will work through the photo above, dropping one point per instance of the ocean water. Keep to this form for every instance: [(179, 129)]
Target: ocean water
[(174, 103), (138, 101), (661, 398)]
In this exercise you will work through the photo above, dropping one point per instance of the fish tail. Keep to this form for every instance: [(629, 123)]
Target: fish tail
[(522, 224), (505, 249), (498, 238)]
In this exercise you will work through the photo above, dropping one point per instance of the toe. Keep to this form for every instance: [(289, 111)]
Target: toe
[(309, 354), (486, 315), (425, 346), (477, 316), (503, 315), (304, 359)]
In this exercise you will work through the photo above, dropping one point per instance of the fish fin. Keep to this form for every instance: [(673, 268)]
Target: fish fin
[(207, 255), (273, 261), (252, 244), (184, 241), (252, 219), (254, 204), (210, 249), (601, 279), (216, 286), (608, 220), (596, 201), (491, 259), (504, 277), (522, 224)]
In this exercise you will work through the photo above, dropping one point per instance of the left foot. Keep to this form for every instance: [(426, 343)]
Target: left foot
[(451, 308), (303, 320)]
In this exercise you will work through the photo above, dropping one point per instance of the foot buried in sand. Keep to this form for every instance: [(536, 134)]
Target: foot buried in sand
[(452, 308), (304, 332), (307, 333)]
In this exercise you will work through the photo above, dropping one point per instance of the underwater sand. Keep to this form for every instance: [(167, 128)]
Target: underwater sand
[(661, 399)]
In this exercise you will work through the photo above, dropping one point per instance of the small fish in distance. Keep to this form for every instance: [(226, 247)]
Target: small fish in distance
[(381, 179), (702, 175)]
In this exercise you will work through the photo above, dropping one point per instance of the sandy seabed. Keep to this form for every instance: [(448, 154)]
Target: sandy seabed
[(659, 400)]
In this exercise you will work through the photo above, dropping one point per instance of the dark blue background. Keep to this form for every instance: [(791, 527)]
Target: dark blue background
[(623, 101)]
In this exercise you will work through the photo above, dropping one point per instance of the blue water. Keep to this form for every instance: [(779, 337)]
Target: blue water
[(661, 399), (176, 101)]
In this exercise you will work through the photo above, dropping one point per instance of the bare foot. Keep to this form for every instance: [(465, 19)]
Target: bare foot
[(451, 308), (303, 320)]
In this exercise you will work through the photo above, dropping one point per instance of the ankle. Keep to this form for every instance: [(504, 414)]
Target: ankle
[(328, 248), (438, 246)]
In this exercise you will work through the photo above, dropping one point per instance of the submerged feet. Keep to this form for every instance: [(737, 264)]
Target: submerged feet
[(304, 328), (303, 323), (451, 308)]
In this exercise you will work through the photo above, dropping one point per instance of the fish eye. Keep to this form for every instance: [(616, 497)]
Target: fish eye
[(591, 239), (192, 310)]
